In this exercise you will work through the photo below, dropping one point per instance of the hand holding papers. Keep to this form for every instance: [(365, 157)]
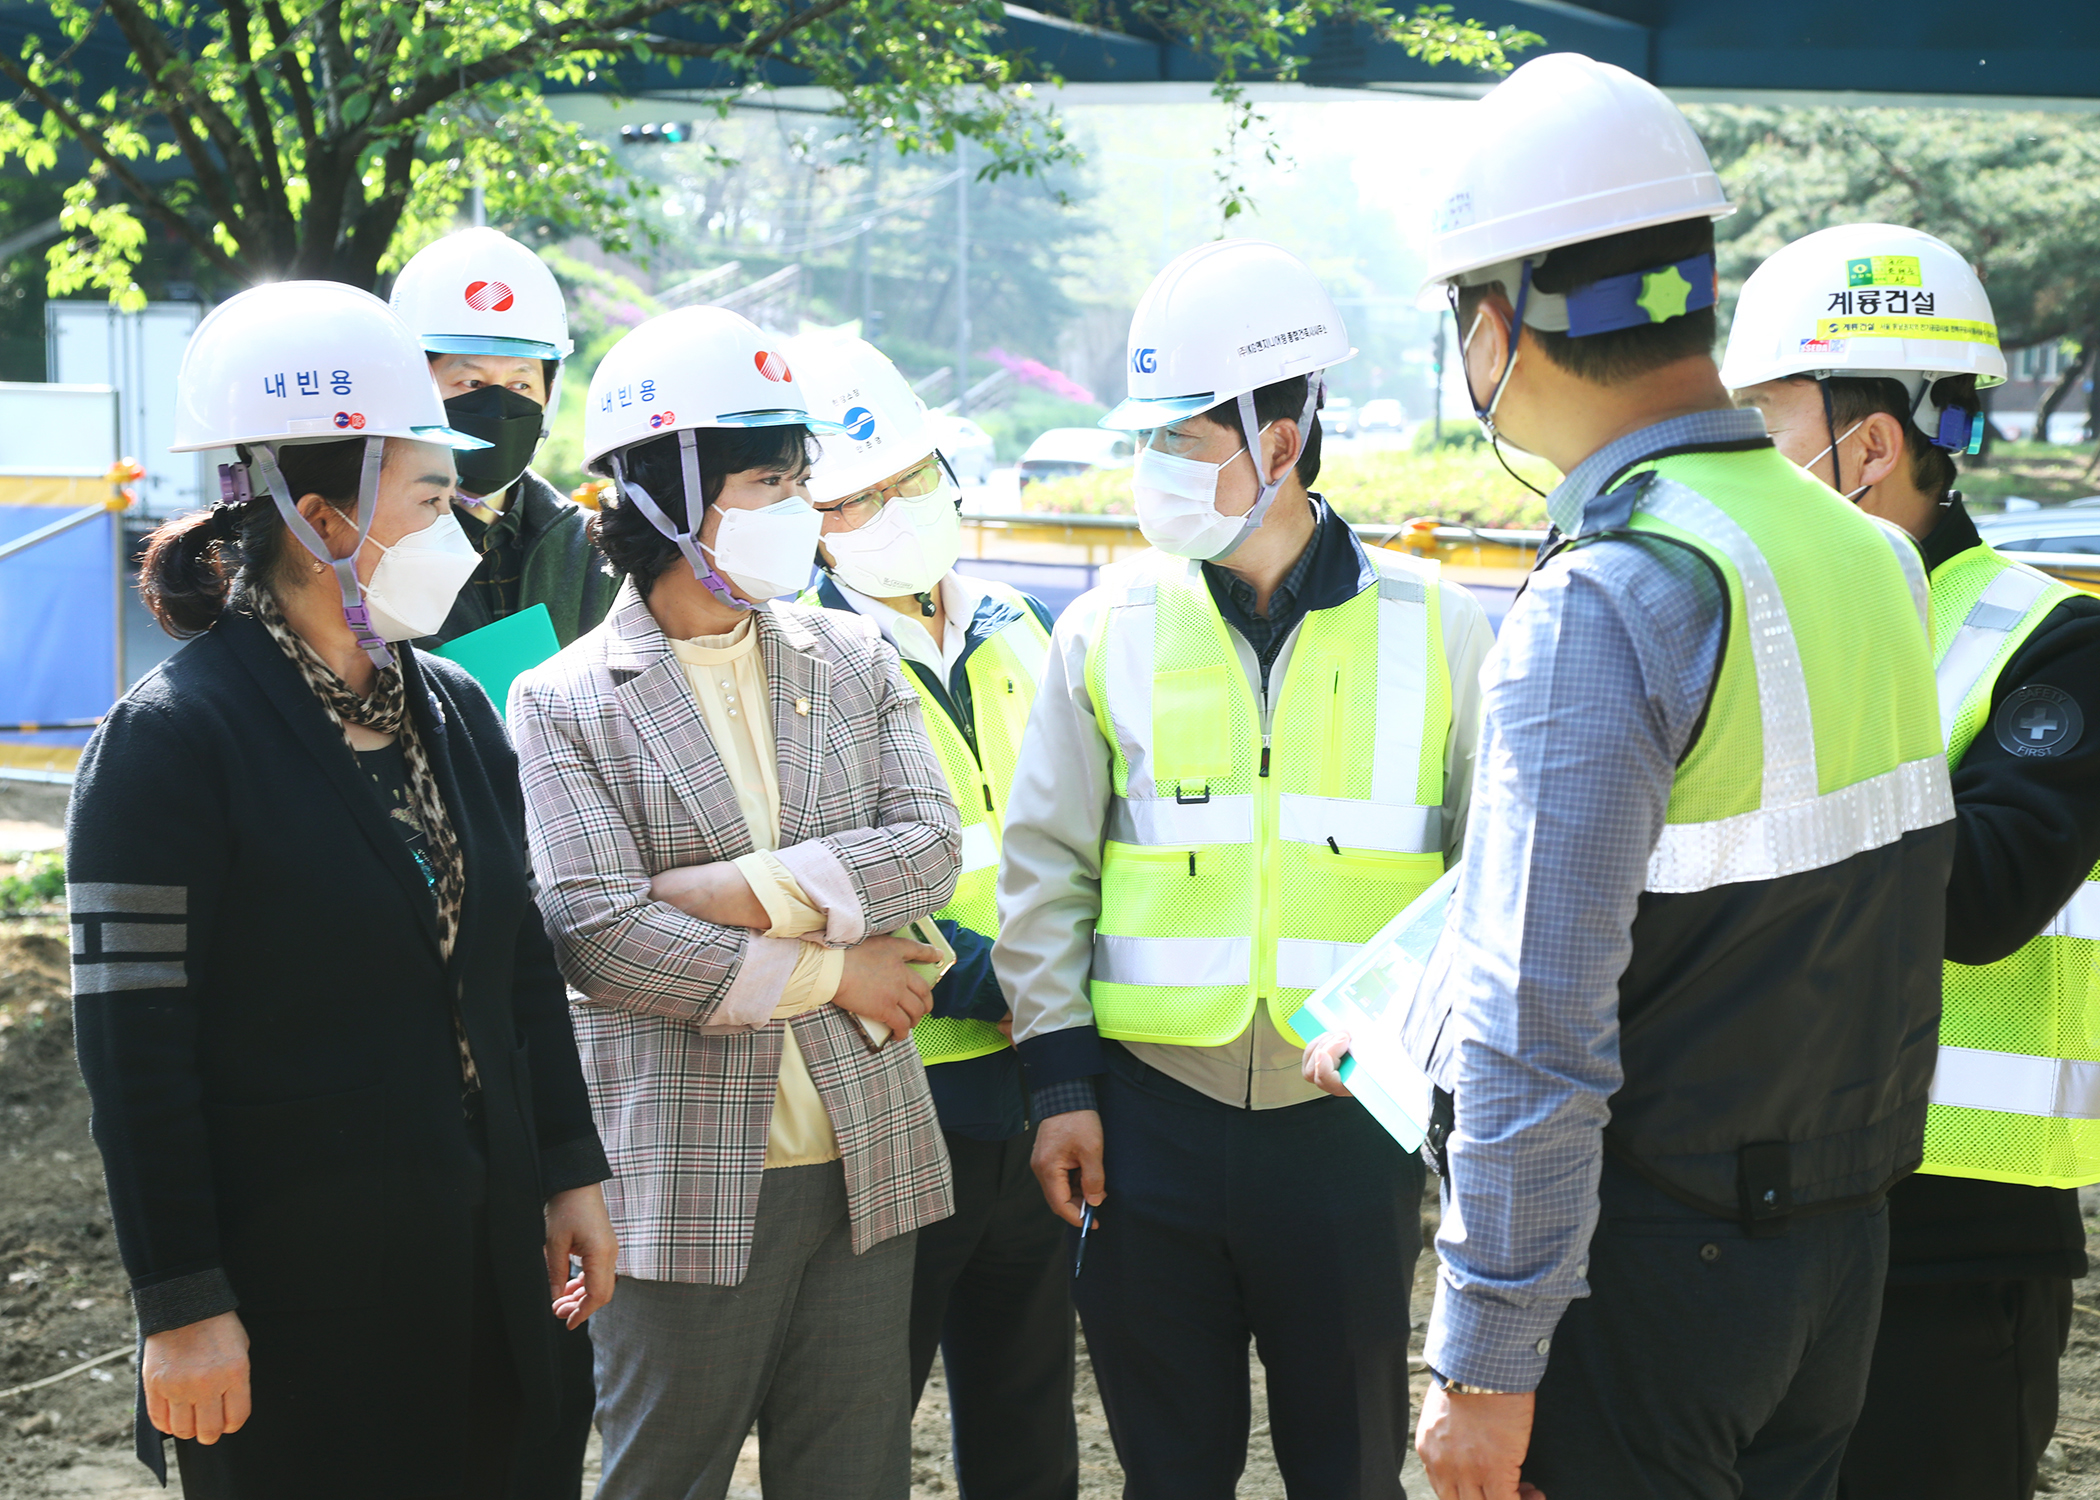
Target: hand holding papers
[(1376, 999)]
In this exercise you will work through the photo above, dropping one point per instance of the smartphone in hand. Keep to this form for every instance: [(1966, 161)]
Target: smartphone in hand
[(922, 931)]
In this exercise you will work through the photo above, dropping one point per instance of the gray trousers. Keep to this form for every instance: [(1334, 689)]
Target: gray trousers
[(813, 1344)]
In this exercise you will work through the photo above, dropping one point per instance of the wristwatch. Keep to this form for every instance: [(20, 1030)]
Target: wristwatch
[(1460, 1388)]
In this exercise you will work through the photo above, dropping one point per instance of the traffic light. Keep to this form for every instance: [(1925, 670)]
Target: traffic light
[(670, 133)]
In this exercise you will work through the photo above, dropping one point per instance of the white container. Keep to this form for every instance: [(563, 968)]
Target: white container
[(137, 355), (57, 431)]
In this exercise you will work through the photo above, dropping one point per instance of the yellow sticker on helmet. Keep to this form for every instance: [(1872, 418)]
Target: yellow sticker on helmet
[(1950, 330), (1884, 270)]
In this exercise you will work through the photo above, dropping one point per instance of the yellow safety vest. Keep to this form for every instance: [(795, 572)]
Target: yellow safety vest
[(2016, 1096), (1237, 865), (1003, 671)]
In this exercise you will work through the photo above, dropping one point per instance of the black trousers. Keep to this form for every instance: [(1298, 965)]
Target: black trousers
[(1295, 1227), (1962, 1398), (992, 1295), (1704, 1364)]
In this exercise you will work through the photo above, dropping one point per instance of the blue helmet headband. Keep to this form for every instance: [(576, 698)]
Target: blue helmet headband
[(1635, 300)]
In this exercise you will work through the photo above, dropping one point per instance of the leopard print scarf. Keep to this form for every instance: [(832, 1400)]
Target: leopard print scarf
[(386, 712)]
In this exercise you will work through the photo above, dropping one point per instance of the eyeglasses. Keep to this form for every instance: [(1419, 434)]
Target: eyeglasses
[(857, 510), (1178, 440)]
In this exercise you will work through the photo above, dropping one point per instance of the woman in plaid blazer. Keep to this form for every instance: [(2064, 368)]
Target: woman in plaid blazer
[(765, 1261)]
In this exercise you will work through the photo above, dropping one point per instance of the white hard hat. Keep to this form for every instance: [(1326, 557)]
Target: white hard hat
[(309, 362), (1566, 149), (1864, 301), (306, 362), (692, 367), (481, 292), (1221, 320), (883, 423)]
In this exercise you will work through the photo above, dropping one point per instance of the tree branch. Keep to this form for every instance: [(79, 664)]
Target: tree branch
[(294, 76), (598, 33), (180, 104), (91, 141), (763, 44), (240, 28), (368, 241), (173, 75)]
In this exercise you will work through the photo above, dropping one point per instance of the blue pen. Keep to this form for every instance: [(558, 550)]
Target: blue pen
[(1086, 1222)]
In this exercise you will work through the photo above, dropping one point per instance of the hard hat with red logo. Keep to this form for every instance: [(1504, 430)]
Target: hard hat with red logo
[(693, 367), (481, 292)]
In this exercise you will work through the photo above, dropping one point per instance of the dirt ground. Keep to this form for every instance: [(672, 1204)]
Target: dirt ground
[(63, 1300)]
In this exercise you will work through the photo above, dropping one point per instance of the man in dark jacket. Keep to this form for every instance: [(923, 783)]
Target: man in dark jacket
[(491, 318), (1986, 1240)]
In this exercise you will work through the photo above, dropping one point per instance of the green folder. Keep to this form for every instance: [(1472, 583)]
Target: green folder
[(496, 654)]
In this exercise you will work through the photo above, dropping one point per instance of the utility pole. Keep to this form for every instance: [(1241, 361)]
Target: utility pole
[(1436, 399), (962, 279), (863, 252)]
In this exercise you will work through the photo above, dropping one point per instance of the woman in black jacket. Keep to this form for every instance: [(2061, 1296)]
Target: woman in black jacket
[(347, 1142)]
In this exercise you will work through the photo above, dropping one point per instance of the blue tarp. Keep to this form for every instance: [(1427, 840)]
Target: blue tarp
[(58, 624)]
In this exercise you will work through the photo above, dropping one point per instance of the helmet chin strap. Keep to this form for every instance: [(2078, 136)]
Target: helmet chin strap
[(356, 613), (1250, 429), (1485, 415), (689, 461)]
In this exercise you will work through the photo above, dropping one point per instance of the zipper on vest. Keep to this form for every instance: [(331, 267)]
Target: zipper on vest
[(1264, 755)]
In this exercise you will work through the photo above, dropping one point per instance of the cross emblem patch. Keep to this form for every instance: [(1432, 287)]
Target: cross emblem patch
[(2038, 720)]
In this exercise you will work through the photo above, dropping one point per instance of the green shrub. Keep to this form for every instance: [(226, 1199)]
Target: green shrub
[(1454, 483), (1028, 416), (39, 881)]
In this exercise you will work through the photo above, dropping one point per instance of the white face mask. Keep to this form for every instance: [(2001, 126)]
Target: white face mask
[(1177, 504), (907, 549), (418, 578), (767, 552)]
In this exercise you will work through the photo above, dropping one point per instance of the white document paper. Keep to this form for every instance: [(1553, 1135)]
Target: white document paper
[(1377, 999)]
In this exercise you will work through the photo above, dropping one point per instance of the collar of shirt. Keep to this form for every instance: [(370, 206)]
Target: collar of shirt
[(705, 650), (1571, 507), (960, 598), (1955, 534), (1332, 570)]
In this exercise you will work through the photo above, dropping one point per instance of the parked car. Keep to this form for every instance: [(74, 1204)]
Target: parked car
[(1064, 451), (1338, 416), (967, 447), (1383, 415), (2073, 528)]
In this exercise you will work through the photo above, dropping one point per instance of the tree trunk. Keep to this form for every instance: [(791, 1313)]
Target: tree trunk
[(2066, 382)]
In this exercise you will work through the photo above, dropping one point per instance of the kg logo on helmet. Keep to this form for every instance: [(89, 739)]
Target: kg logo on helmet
[(489, 296), (1144, 361), (771, 365), (350, 419), (860, 424)]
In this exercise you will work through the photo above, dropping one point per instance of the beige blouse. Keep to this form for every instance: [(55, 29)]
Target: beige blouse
[(728, 679)]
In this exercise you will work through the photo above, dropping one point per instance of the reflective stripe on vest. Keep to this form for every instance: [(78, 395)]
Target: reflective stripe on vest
[(2013, 1083), (2028, 1109), (1004, 671), (1223, 883), (1795, 827)]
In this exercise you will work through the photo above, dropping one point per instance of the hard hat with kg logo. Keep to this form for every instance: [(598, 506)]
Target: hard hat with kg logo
[(1221, 320)]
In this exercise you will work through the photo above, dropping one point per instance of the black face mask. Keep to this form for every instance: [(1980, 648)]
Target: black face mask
[(507, 421)]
